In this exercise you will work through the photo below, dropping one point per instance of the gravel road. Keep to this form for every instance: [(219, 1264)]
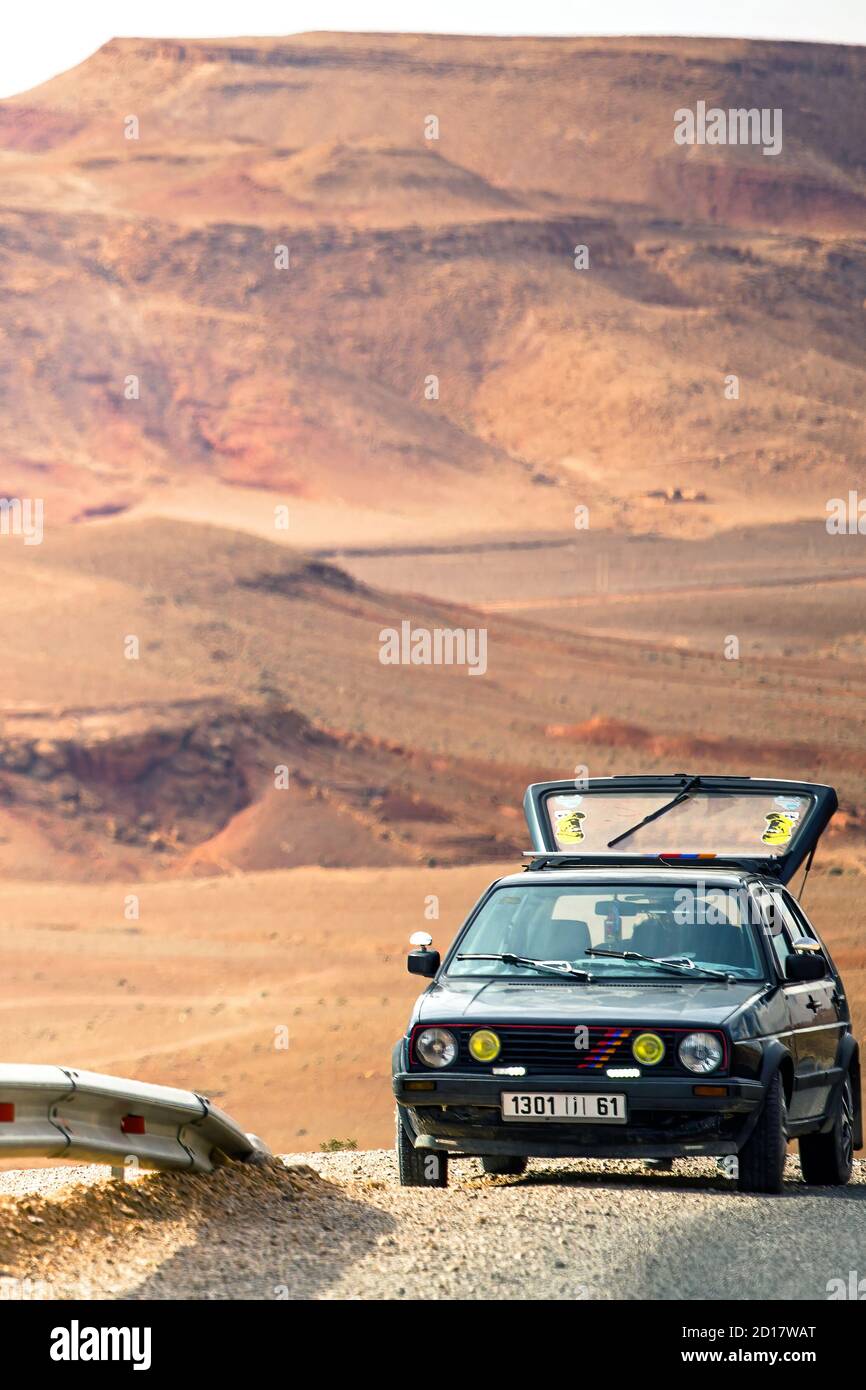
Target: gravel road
[(337, 1226)]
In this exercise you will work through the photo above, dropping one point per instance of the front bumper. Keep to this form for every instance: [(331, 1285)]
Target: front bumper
[(665, 1118)]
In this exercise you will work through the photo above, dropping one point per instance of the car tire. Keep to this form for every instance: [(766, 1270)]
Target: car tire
[(762, 1157), (504, 1165), (827, 1160), (419, 1167)]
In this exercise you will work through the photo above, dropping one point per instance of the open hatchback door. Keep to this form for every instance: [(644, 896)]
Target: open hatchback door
[(755, 823)]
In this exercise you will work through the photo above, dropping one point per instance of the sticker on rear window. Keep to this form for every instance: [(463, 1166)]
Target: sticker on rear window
[(780, 828), (568, 828)]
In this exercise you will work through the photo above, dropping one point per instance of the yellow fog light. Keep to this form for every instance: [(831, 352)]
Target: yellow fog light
[(484, 1045), (648, 1049)]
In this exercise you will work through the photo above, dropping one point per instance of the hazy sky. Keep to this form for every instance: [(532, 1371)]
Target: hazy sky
[(42, 37)]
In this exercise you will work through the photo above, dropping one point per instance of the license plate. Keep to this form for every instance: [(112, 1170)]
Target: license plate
[(557, 1105)]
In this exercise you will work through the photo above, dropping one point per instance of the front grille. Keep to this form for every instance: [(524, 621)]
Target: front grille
[(550, 1049)]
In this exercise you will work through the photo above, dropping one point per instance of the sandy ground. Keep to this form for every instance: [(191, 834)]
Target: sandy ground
[(564, 1231), (279, 995)]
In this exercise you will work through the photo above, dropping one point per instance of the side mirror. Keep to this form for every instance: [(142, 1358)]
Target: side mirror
[(804, 965), (422, 961)]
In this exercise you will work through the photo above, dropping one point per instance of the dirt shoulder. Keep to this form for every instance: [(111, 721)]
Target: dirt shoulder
[(337, 1226)]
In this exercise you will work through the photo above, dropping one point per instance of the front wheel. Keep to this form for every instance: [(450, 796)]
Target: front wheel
[(504, 1165), (762, 1157), (419, 1167), (827, 1160)]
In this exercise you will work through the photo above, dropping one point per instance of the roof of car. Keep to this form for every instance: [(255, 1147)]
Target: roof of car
[(728, 876)]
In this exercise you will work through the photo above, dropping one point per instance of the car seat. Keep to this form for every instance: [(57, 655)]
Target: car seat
[(652, 938), (557, 939), (720, 945)]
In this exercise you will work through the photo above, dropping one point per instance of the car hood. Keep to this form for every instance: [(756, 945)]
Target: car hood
[(663, 1001)]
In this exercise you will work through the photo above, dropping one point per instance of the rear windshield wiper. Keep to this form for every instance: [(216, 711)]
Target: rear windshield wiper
[(667, 962), (680, 797), (509, 959)]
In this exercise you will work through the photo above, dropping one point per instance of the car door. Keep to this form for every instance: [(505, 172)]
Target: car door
[(779, 941), (816, 1012)]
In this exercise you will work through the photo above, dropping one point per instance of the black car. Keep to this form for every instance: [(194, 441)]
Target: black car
[(646, 988)]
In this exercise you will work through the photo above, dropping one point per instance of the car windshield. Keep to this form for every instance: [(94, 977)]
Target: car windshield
[(706, 927)]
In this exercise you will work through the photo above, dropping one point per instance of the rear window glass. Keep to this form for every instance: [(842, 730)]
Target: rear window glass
[(749, 824)]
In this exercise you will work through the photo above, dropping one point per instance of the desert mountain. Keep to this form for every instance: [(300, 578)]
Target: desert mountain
[(423, 359), (184, 699)]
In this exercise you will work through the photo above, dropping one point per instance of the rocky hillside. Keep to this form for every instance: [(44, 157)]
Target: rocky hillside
[(422, 357)]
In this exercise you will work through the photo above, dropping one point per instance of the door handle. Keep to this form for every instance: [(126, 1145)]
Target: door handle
[(812, 1004)]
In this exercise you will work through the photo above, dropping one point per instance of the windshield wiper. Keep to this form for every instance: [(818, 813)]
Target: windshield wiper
[(680, 797), (509, 959), (669, 962)]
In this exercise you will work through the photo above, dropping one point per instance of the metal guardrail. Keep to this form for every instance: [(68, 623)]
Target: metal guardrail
[(60, 1112)]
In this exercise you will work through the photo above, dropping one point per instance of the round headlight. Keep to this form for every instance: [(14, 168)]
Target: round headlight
[(648, 1049), (436, 1047), (484, 1045), (701, 1052)]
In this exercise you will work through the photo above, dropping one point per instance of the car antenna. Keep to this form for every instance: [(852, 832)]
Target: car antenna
[(806, 871)]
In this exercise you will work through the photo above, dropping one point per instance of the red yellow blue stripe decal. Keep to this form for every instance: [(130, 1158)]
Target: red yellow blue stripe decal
[(604, 1050)]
